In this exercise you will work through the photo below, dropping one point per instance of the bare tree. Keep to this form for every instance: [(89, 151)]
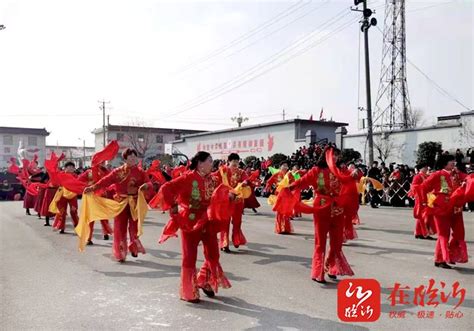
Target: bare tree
[(415, 118), (386, 147), (141, 139)]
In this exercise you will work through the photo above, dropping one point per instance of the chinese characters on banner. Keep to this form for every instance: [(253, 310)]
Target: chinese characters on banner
[(238, 146)]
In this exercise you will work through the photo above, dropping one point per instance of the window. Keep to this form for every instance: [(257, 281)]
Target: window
[(141, 138), (8, 140), (32, 141), (120, 136), (7, 150), (6, 157), (159, 139)]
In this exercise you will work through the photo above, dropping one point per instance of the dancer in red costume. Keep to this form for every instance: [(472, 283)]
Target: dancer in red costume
[(282, 222), (440, 184), (349, 194), (28, 173), (128, 179), (422, 223), (254, 182), (328, 218), (192, 192), (233, 177), (457, 243), (92, 176), (60, 217)]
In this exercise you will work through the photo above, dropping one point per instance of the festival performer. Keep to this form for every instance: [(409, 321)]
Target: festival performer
[(92, 176), (328, 218), (420, 214), (438, 189), (188, 198), (41, 178), (128, 180), (61, 200), (282, 222), (253, 181), (232, 176), (29, 170), (457, 243), (349, 194)]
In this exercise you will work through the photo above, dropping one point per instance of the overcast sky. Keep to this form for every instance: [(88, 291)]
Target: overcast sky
[(196, 64)]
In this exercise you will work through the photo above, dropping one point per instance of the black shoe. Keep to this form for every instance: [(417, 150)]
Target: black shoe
[(453, 263), (28, 212), (46, 223), (209, 293), (192, 301), (374, 206), (254, 210), (443, 265), (90, 243), (134, 255), (106, 237), (429, 238), (319, 281), (225, 249), (419, 237), (332, 276), (61, 232), (39, 216)]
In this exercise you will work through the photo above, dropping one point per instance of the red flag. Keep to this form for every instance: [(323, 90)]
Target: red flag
[(106, 154), (13, 168), (71, 182), (155, 172), (321, 114)]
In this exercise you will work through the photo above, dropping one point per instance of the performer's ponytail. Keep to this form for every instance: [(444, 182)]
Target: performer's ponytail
[(199, 157)]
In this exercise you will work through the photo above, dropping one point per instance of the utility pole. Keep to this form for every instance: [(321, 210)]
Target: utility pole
[(283, 114), (102, 106), (365, 25), (84, 153)]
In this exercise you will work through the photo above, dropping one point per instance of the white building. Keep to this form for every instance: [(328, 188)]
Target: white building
[(80, 155), (260, 140), (33, 142), (453, 132), (148, 141)]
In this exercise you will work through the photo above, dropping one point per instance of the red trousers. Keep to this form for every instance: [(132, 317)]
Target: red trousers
[(120, 244), (29, 200), (443, 226), (60, 218), (211, 275), (283, 224), (238, 237), (335, 263), (39, 200), (457, 243), (420, 227), (47, 199), (106, 229), (349, 232)]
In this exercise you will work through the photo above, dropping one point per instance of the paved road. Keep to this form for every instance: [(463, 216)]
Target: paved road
[(46, 284)]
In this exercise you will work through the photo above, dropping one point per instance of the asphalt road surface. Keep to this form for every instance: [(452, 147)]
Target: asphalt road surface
[(46, 284)]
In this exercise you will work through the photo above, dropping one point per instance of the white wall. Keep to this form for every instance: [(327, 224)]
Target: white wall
[(276, 139), (31, 150), (405, 144)]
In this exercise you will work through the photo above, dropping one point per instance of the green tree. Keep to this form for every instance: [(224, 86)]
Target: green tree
[(427, 152)]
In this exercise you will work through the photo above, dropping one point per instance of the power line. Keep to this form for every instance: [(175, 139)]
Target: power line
[(293, 8), (440, 89), (265, 62), (245, 81), (265, 36)]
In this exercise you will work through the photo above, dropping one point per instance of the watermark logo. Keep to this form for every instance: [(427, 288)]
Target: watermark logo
[(358, 300)]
